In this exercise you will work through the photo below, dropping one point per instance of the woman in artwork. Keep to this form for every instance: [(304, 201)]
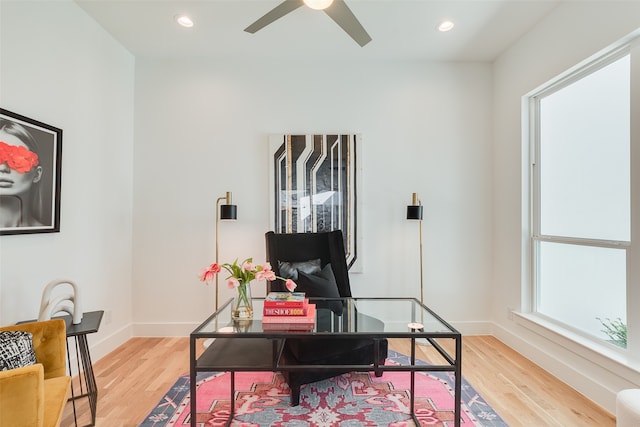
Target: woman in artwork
[(20, 175)]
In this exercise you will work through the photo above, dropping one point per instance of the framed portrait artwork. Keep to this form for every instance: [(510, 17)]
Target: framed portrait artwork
[(314, 181), (30, 166)]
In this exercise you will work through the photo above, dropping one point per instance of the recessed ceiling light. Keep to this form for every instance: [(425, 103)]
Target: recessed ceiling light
[(445, 25), (184, 20)]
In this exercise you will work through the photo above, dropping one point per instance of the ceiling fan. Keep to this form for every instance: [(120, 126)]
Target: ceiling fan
[(336, 9)]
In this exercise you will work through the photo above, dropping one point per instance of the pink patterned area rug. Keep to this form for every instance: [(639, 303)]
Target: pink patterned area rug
[(354, 399)]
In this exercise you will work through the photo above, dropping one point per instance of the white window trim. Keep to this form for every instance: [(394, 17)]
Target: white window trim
[(625, 363)]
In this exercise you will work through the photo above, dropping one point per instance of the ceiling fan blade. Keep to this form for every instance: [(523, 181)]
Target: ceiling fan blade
[(342, 15), (276, 13)]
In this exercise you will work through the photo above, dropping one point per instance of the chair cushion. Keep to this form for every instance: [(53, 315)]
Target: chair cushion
[(289, 270), (56, 391), (322, 285), (16, 350)]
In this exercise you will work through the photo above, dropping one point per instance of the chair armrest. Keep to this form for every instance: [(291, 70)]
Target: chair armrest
[(22, 396)]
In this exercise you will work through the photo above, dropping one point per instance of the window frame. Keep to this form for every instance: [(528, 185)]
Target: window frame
[(532, 205)]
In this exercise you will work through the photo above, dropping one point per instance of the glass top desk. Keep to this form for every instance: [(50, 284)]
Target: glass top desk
[(243, 345)]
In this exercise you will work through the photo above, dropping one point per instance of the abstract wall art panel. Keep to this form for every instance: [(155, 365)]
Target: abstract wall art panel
[(314, 181)]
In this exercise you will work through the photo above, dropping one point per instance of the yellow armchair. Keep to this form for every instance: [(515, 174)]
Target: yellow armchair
[(35, 396)]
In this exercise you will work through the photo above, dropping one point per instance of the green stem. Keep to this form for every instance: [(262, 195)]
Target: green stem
[(242, 295)]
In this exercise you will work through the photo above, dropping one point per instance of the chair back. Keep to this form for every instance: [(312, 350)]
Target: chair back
[(299, 247), (49, 344)]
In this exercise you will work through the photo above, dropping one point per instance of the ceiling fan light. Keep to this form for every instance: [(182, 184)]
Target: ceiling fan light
[(318, 4), (445, 26), (184, 20)]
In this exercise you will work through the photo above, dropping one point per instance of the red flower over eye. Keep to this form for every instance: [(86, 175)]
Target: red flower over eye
[(18, 158)]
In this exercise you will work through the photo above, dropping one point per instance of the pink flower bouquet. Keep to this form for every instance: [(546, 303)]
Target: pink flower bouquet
[(241, 275)]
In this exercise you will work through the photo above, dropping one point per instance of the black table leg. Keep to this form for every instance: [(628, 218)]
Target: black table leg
[(232, 408), (413, 382), (85, 370), (73, 393), (458, 385), (192, 382), (89, 376)]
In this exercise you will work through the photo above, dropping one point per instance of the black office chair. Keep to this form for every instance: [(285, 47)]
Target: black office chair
[(317, 263)]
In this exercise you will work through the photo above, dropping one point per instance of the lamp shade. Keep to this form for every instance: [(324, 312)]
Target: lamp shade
[(414, 212), (228, 212)]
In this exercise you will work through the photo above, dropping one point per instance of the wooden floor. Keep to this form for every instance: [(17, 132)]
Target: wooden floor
[(133, 378)]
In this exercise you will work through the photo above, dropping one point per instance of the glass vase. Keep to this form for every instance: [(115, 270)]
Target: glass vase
[(243, 308)]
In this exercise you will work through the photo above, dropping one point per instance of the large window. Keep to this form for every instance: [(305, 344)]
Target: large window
[(581, 198)]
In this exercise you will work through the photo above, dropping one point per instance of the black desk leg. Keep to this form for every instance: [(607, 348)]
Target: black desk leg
[(192, 381), (413, 382), (458, 385), (233, 402)]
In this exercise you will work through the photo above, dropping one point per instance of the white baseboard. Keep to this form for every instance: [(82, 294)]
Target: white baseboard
[(474, 328), (163, 329), (100, 348)]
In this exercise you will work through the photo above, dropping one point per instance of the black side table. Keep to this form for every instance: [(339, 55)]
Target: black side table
[(90, 324)]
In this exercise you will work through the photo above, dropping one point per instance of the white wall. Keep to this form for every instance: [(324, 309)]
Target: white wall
[(59, 67), (569, 35), (202, 128)]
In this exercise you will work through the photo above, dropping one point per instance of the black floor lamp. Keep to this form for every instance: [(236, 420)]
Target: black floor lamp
[(414, 212), (225, 211)]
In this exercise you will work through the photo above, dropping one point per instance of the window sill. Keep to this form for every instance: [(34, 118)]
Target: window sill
[(609, 357)]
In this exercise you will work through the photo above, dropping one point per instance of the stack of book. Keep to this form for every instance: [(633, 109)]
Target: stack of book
[(288, 311)]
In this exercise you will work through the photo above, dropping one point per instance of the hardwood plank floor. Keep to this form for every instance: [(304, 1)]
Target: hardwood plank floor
[(134, 377)]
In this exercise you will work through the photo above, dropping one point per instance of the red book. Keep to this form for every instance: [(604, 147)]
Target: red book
[(308, 319), (285, 299), (286, 311)]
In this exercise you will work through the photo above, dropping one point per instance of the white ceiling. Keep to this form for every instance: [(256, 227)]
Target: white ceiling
[(401, 29)]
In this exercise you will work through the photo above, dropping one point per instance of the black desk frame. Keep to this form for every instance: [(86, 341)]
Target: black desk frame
[(247, 350)]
